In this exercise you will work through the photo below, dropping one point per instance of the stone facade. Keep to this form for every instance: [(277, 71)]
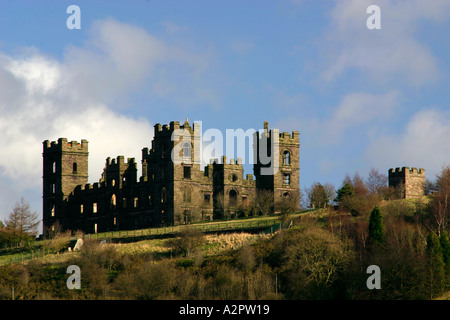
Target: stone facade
[(171, 191), (411, 182)]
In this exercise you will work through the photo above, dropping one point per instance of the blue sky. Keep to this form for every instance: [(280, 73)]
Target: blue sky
[(360, 98)]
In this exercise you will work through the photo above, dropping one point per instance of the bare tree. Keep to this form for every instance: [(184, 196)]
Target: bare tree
[(317, 196), (22, 222), (376, 182), (440, 208), (330, 191), (264, 202), (287, 205)]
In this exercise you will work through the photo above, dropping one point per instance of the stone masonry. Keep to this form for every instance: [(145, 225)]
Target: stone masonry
[(168, 192), (411, 182)]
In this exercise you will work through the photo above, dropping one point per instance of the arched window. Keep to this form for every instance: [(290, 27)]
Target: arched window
[(113, 201), (286, 157), (233, 197), (75, 167)]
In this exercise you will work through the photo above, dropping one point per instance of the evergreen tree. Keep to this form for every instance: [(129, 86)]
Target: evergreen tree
[(376, 226), (435, 265), (345, 191), (445, 245)]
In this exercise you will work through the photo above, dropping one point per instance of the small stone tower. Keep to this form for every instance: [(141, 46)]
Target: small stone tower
[(65, 166), (410, 181)]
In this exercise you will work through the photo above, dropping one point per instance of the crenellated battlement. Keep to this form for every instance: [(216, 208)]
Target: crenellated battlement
[(231, 162), (63, 145), (286, 137), (164, 130), (410, 181), (169, 192), (406, 170), (119, 162)]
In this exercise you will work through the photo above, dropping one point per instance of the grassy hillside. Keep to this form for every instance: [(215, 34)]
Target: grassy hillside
[(320, 255)]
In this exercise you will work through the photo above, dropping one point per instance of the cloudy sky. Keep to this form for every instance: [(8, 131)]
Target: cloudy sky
[(360, 98)]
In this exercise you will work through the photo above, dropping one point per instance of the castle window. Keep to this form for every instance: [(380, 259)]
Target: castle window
[(286, 157), (113, 182), (163, 195), (186, 150), (244, 200), (94, 207), (53, 210), (187, 172), (234, 177), (136, 202), (81, 208), (207, 198), (115, 220), (95, 228), (53, 188), (286, 179), (124, 202), (54, 167), (150, 200), (233, 197), (286, 194), (75, 167), (113, 201)]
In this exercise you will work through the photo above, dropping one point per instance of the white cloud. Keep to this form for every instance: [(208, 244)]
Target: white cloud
[(424, 143), (359, 109), (42, 98), (391, 55)]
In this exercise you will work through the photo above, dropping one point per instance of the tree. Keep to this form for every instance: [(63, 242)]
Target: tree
[(264, 202), (22, 222), (359, 186), (314, 262), (188, 242), (439, 204), (344, 192), (329, 191), (287, 204), (317, 196), (376, 226), (376, 182), (436, 266)]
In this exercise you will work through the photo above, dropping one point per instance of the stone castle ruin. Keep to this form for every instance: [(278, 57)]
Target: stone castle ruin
[(410, 182), (168, 192)]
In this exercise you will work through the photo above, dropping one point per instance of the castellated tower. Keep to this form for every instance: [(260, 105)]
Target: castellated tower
[(172, 166), (277, 165), (65, 166), (410, 181)]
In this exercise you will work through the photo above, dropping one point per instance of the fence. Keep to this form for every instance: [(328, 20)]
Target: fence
[(268, 225), (171, 230)]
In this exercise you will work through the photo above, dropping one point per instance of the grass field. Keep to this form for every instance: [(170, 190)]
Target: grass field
[(154, 240)]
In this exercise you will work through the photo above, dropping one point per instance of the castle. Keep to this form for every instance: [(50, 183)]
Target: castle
[(410, 182), (172, 190)]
